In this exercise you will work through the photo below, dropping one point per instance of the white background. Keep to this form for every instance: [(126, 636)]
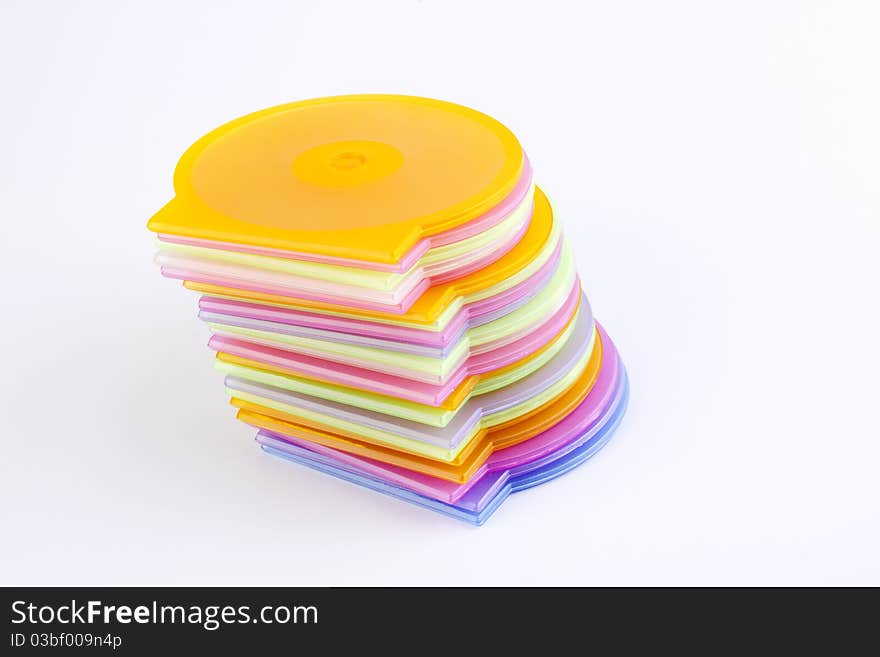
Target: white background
[(716, 168)]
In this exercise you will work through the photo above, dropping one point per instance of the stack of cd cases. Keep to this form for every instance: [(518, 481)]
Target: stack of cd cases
[(392, 300)]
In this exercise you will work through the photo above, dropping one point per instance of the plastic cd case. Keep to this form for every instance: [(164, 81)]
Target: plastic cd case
[(370, 373), (423, 304), (555, 301), (484, 498), (556, 359), (346, 177), (503, 446), (347, 283), (450, 452)]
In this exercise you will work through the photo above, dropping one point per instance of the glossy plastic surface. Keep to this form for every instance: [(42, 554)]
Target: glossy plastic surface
[(440, 333), (263, 328), (573, 341), (540, 243), (541, 399), (503, 226), (350, 177), (503, 446), (388, 372), (345, 285), (484, 498)]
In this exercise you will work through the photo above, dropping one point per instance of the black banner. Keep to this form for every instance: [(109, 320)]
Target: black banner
[(411, 621)]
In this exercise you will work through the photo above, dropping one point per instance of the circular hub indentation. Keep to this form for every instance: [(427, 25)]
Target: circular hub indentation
[(347, 163)]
